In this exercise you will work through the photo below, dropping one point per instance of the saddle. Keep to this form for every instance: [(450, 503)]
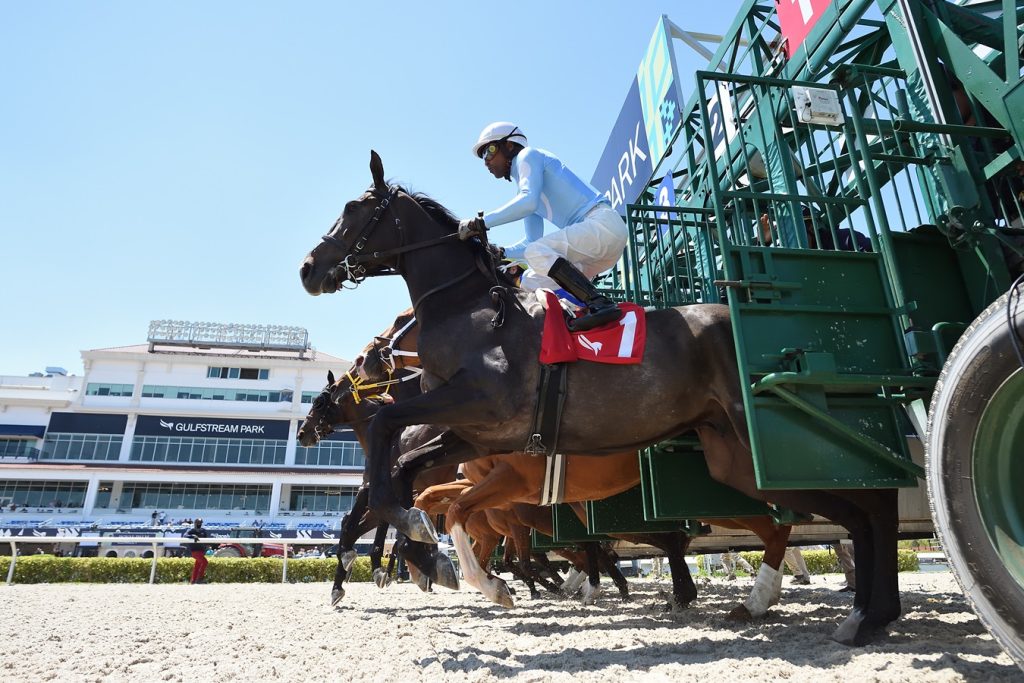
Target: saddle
[(620, 343)]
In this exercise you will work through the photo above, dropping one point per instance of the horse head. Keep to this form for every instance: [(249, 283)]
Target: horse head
[(323, 416), (344, 253), (377, 231), (392, 350)]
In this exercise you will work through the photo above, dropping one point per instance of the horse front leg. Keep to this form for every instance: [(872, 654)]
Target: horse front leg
[(449, 404), (592, 586), (473, 499), (351, 530), (376, 553)]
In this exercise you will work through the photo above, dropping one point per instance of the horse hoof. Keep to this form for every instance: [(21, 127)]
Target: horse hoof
[(590, 593), (381, 578), (347, 558), (573, 582), (846, 633), (444, 572), (336, 595), (502, 596), (739, 613), (419, 528), (423, 582)]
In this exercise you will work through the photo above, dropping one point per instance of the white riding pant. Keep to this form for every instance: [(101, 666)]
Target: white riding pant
[(593, 245)]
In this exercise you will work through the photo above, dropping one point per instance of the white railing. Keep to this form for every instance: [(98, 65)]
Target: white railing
[(176, 541)]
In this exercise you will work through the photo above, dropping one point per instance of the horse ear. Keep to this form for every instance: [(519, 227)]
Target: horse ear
[(330, 377), (377, 171)]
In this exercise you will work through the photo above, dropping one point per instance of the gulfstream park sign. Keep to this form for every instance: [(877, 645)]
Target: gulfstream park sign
[(162, 425), (209, 427), (645, 125)]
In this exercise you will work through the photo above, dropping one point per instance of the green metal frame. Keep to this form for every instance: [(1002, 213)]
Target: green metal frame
[(834, 344)]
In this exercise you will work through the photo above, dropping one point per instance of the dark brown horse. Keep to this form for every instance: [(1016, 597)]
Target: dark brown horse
[(481, 371)]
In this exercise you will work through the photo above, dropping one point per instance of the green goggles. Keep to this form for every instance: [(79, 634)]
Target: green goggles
[(489, 151)]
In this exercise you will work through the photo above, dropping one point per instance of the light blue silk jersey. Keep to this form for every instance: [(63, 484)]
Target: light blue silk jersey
[(547, 190)]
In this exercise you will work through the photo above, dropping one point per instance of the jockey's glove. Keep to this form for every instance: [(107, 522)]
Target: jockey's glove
[(470, 227)]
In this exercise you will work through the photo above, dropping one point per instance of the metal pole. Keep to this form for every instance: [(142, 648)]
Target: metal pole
[(14, 558), (284, 565), (152, 569)]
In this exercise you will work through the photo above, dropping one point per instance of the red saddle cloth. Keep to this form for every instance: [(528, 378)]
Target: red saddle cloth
[(619, 343)]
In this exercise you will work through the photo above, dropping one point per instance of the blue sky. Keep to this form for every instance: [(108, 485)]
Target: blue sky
[(177, 160)]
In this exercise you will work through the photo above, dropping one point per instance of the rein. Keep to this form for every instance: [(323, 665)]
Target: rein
[(356, 272)]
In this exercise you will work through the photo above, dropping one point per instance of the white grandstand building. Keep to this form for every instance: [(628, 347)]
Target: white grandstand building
[(198, 422)]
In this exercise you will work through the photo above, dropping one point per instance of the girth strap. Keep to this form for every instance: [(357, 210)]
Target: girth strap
[(547, 421)]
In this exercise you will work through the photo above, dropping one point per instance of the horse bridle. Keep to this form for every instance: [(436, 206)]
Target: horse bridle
[(387, 352), (355, 271)]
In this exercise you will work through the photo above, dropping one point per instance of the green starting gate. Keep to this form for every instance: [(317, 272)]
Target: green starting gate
[(853, 190)]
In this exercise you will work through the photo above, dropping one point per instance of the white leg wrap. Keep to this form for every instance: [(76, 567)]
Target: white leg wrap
[(573, 582), (761, 594), (776, 589), (847, 630), (467, 561), (590, 593)]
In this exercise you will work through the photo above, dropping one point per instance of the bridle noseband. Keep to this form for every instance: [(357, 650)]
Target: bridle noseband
[(355, 271)]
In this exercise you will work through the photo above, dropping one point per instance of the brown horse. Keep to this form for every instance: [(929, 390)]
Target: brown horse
[(481, 370)]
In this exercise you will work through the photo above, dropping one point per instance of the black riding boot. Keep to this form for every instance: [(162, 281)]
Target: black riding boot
[(600, 309)]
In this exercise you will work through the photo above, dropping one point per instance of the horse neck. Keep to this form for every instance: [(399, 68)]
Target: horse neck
[(430, 269)]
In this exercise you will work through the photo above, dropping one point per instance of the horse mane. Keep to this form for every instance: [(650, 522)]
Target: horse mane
[(437, 211), (442, 215)]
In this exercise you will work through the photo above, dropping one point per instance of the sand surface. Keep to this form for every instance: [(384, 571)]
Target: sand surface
[(258, 632)]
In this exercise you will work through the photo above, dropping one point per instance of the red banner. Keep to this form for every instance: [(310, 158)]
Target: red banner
[(797, 18)]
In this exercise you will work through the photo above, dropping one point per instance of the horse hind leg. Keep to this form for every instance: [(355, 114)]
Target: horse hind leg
[(881, 605)]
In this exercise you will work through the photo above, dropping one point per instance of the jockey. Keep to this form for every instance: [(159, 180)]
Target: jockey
[(591, 235)]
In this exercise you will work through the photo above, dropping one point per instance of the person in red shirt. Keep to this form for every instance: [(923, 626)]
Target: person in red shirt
[(198, 551)]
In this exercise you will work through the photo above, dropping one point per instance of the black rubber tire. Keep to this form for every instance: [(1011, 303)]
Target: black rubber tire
[(980, 363)]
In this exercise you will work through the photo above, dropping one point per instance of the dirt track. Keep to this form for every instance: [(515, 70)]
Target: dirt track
[(252, 632)]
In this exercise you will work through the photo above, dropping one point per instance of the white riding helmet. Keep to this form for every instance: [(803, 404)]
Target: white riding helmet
[(499, 130)]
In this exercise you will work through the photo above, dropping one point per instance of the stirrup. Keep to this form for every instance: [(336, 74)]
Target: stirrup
[(598, 318)]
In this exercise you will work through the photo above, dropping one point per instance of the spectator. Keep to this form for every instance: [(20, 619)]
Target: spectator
[(795, 561), (153, 517), (844, 553), (163, 517), (198, 551), (820, 237), (729, 561)]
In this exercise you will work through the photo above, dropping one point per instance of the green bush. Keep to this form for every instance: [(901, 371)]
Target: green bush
[(823, 561), (50, 569)]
